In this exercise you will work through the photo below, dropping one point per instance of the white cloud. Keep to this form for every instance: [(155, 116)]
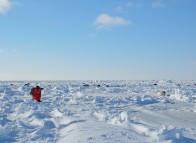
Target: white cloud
[(135, 5), (105, 21), (158, 4), (5, 5), (124, 7)]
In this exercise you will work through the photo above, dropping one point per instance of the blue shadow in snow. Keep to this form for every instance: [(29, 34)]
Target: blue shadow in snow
[(70, 123)]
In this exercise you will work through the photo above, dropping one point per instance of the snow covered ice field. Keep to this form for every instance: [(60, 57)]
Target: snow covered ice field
[(114, 112)]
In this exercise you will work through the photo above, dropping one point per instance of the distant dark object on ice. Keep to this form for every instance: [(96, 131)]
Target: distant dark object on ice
[(27, 84), (178, 84), (194, 84), (163, 93), (98, 85), (86, 85), (155, 84), (106, 85)]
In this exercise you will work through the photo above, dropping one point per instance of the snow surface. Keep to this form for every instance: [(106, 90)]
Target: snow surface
[(114, 112)]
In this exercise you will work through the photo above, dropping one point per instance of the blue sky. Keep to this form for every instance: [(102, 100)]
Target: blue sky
[(97, 39)]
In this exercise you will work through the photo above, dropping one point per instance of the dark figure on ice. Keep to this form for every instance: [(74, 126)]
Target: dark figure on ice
[(36, 93)]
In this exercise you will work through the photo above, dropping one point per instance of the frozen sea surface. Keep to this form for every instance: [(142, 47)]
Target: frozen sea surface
[(99, 112)]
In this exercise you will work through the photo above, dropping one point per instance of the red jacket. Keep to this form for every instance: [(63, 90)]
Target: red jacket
[(36, 94)]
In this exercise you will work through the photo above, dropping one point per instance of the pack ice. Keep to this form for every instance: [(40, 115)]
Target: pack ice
[(99, 112)]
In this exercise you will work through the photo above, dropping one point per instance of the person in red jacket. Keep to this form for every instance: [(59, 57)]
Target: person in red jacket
[(36, 93)]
